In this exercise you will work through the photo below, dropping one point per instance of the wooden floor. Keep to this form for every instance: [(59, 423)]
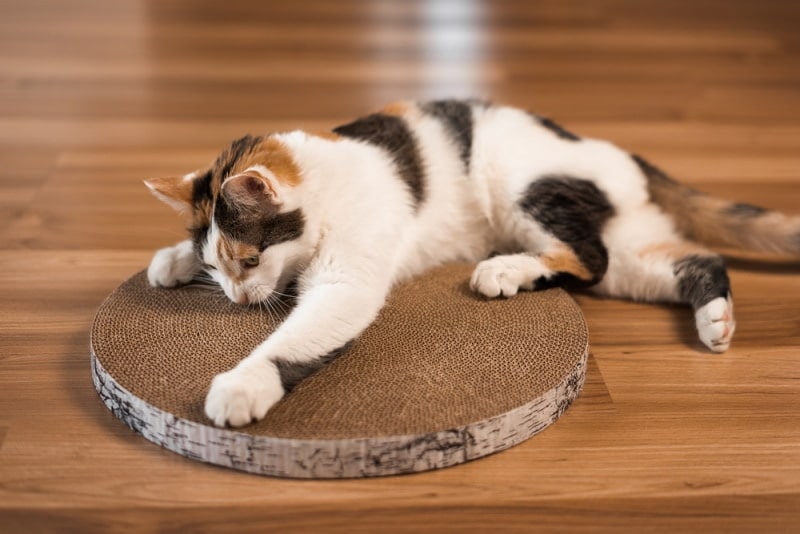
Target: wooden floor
[(96, 96)]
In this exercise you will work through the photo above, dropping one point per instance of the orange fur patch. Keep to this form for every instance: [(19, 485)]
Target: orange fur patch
[(273, 154), (231, 252), (397, 109), (322, 134), (564, 260), (241, 250), (177, 190), (173, 188)]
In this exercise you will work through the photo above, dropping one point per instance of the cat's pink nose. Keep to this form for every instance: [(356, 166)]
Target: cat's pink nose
[(242, 298)]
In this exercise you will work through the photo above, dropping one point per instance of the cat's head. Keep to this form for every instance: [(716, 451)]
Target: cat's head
[(246, 220)]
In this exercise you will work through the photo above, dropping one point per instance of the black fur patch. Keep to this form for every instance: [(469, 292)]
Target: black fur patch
[(574, 211), (201, 188), (225, 162), (294, 373), (742, 209), (261, 229), (701, 279), (282, 227), (561, 280), (205, 185), (557, 129), (456, 115), (199, 237), (393, 135)]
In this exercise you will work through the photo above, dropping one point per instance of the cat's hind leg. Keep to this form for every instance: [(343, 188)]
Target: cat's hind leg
[(703, 282), (557, 223), (676, 271)]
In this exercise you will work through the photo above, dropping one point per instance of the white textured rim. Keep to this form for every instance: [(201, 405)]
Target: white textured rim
[(341, 458)]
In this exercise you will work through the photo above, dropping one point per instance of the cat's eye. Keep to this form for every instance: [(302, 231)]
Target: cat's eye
[(250, 262)]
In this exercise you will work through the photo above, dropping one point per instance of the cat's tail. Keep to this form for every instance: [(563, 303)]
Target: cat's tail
[(717, 222)]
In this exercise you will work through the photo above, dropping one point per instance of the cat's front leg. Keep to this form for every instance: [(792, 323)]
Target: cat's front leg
[(173, 265), (329, 315)]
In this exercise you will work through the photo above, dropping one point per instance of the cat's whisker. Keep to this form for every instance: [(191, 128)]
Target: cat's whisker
[(282, 301), (268, 307), (260, 307), (274, 305), (277, 305), (272, 313), (285, 295), (258, 301)]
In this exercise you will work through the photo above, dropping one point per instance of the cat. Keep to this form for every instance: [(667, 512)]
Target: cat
[(348, 213)]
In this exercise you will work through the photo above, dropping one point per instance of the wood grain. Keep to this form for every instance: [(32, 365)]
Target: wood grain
[(97, 96)]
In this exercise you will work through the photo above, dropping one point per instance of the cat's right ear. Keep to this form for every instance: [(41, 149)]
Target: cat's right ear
[(175, 191), (250, 191)]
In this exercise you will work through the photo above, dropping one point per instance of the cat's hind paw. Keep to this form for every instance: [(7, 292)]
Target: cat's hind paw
[(716, 324), (244, 394), (172, 266), (506, 275)]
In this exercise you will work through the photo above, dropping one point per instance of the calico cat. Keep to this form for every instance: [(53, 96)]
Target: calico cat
[(349, 213)]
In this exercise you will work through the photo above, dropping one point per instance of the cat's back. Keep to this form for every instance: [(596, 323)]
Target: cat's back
[(510, 142), (430, 148), (468, 144)]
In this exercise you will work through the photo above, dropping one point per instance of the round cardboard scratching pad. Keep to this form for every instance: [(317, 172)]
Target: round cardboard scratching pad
[(441, 377)]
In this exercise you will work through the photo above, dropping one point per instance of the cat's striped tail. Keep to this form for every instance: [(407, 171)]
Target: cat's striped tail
[(716, 222)]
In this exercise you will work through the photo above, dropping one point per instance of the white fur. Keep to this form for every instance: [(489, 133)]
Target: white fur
[(715, 323), (174, 265), (243, 394), (506, 275), (637, 276), (363, 234), (278, 265)]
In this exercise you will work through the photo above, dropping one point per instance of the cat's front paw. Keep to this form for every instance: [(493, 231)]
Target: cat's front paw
[(716, 324), (244, 394), (172, 266)]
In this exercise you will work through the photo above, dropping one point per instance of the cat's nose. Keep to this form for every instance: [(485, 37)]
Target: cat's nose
[(241, 298)]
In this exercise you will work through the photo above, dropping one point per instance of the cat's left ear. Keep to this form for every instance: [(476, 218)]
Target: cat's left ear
[(176, 191)]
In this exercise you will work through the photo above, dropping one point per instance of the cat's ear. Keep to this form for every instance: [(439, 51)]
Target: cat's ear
[(176, 191), (251, 190)]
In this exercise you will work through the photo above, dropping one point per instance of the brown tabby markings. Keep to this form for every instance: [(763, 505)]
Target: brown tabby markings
[(714, 221)]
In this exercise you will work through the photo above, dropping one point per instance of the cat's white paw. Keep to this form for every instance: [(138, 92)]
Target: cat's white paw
[(171, 266), (716, 324), (244, 394), (506, 275)]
